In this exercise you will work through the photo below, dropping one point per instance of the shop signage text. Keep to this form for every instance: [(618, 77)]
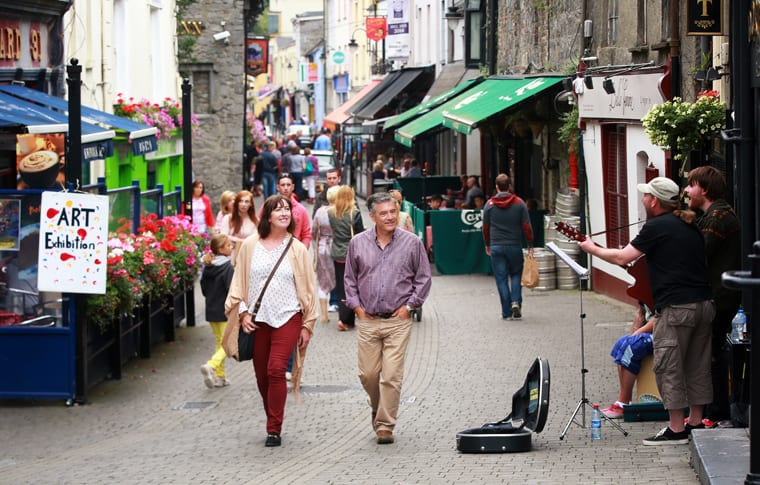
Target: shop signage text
[(73, 247), (22, 43), (634, 95), (703, 17)]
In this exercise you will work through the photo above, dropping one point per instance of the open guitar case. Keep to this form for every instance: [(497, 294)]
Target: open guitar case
[(530, 405)]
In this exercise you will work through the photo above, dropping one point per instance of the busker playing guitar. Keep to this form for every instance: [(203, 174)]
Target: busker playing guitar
[(675, 254)]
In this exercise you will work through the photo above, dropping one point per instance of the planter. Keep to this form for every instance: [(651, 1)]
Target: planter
[(179, 307), (158, 323)]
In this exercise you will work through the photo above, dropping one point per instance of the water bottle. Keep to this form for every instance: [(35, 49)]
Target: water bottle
[(738, 324), (596, 423)]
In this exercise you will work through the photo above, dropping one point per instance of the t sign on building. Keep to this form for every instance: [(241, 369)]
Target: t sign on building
[(338, 57)]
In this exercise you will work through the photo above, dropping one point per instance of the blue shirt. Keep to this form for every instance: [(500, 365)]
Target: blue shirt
[(323, 143)]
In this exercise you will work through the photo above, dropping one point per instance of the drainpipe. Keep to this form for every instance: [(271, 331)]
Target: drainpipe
[(675, 69)]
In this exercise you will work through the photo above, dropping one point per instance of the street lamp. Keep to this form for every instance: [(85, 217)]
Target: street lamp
[(352, 44)]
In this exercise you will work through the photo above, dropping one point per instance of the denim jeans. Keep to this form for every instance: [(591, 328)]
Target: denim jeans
[(268, 181), (507, 265)]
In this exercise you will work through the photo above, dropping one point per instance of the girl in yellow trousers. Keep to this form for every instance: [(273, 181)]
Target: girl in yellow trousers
[(215, 283)]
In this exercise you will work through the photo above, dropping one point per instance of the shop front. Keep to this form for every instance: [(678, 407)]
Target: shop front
[(618, 156), (400, 90)]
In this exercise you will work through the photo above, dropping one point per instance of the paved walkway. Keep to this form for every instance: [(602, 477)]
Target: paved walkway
[(160, 424)]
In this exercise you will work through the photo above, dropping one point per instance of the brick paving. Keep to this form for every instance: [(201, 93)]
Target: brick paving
[(463, 365)]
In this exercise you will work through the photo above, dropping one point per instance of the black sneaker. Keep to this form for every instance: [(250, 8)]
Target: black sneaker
[(690, 427), (668, 437), (273, 439)]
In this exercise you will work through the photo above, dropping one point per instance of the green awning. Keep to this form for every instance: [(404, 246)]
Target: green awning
[(491, 97), (433, 119), (423, 108)]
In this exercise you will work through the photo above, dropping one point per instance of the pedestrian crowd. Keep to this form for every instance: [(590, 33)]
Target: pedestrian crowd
[(374, 279), (259, 278)]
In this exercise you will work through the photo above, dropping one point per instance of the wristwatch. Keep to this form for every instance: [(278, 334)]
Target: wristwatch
[(409, 308)]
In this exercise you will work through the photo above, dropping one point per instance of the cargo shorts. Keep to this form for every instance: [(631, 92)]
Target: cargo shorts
[(683, 353)]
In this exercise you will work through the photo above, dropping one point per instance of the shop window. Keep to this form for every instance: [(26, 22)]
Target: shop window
[(474, 33), (20, 301), (615, 180)]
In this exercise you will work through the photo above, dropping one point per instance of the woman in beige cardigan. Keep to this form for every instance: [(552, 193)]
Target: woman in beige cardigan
[(288, 308)]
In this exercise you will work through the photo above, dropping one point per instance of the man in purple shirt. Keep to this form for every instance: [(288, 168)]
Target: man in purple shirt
[(387, 277)]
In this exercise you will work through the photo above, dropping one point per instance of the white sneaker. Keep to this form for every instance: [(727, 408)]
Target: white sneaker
[(332, 308), (221, 382), (288, 376), (208, 375)]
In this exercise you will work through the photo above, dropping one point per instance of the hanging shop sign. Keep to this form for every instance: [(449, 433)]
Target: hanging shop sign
[(703, 17), (634, 96), (256, 55), (376, 28), (73, 249), (398, 31)]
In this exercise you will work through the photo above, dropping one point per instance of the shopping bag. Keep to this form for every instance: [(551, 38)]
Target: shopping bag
[(530, 272)]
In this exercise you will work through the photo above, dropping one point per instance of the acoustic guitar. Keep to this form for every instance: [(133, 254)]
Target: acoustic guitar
[(641, 289)]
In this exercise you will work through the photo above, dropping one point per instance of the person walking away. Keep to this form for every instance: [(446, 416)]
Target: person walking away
[(505, 221), (332, 179), (288, 307), (387, 277), (226, 206), (322, 241), (311, 174), (202, 215), (269, 161), (215, 283), (242, 221), (323, 142), (345, 221), (250, 154), (295, 169), (721, 230), (684, 311)]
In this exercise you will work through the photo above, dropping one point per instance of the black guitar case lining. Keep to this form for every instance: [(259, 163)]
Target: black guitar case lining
[(530, 406)]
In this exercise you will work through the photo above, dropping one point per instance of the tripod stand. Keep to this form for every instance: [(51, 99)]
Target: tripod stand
[(583, 401)]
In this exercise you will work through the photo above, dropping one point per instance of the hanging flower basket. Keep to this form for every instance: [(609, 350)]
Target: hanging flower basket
[(683, 126)]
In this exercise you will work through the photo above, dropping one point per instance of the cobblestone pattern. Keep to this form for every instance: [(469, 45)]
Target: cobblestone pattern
[(463, 365)]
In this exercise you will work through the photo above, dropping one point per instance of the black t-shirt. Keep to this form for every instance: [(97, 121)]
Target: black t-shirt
[(675, 254)]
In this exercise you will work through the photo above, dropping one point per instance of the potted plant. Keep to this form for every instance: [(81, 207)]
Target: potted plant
[(160, 258), (683, 126), (166, 116)]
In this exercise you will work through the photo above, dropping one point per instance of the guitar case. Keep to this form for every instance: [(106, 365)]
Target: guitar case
[(530, 405)]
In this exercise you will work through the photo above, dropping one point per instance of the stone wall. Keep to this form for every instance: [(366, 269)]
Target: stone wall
[(218, 90), (535, 35)]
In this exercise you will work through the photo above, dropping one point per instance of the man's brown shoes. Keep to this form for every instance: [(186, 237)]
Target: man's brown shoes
[(384, 437)]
